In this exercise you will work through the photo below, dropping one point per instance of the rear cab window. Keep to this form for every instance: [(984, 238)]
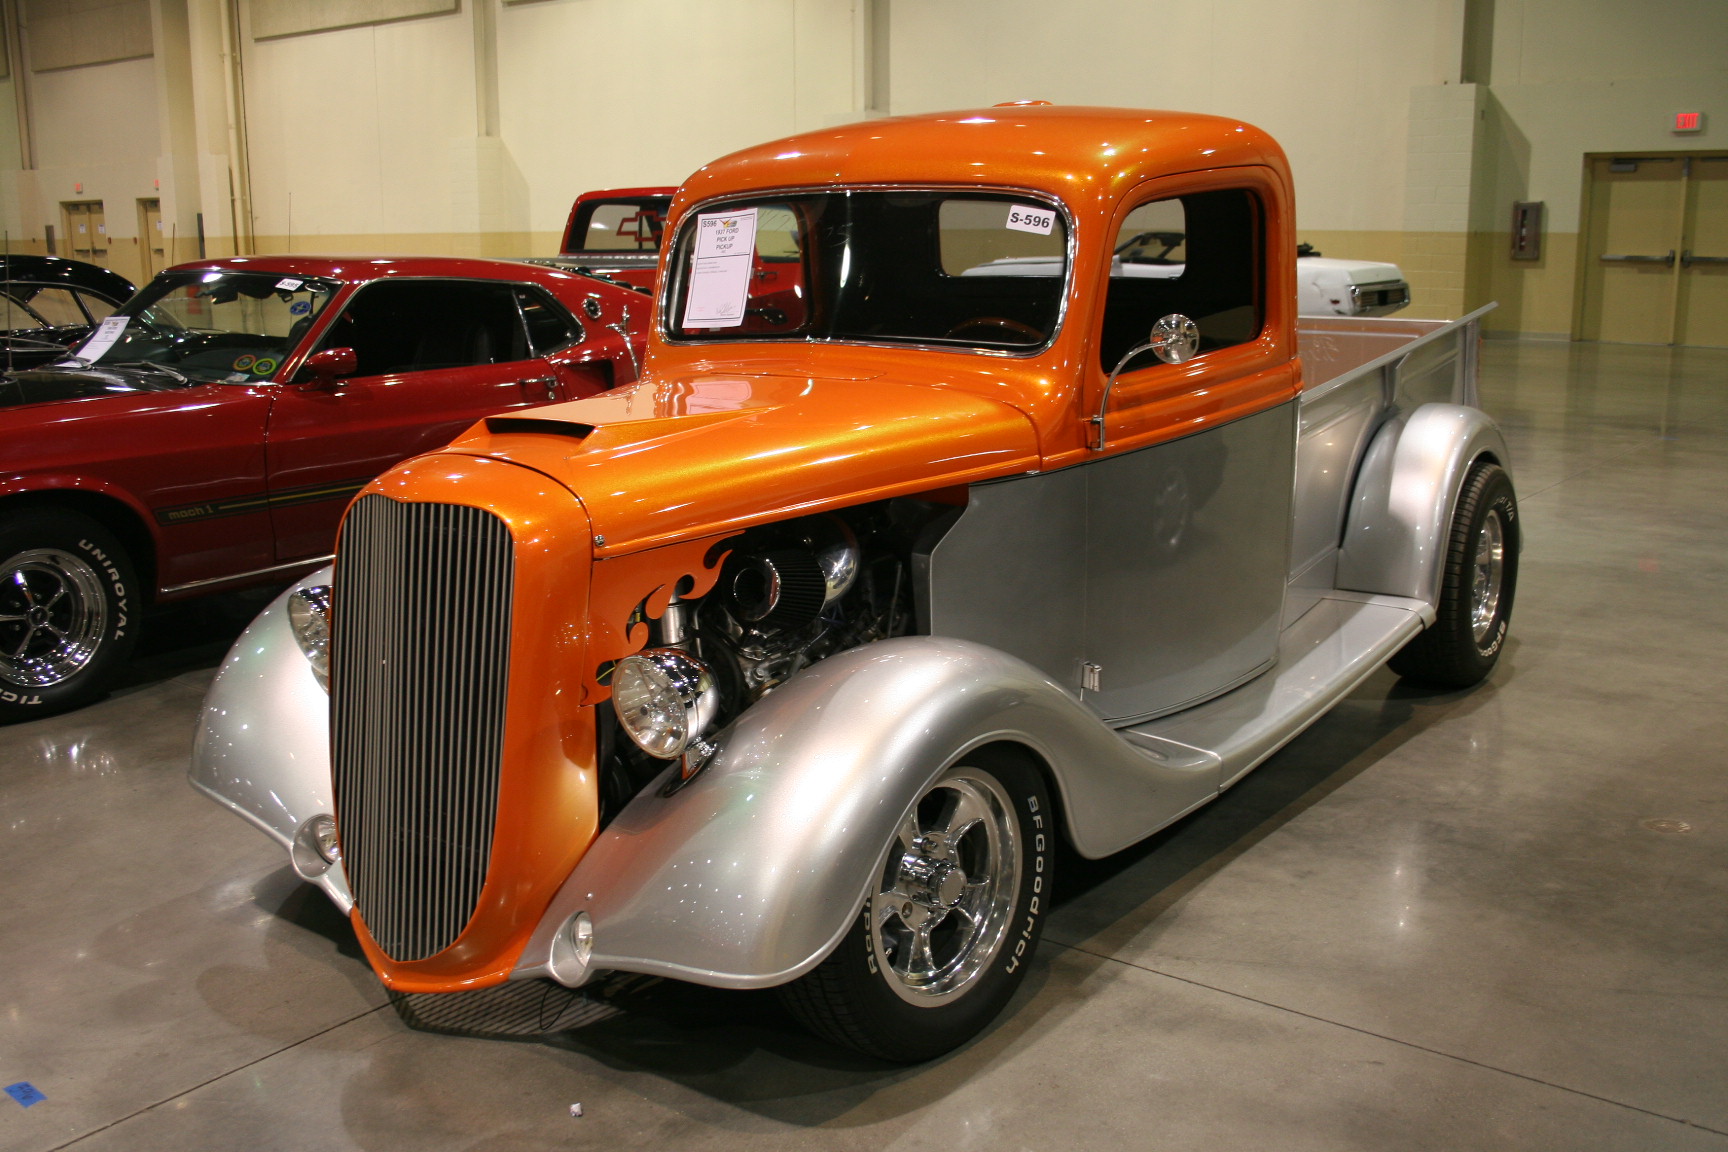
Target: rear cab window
[(619, 226)]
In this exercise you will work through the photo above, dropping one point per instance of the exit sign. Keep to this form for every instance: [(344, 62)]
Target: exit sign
[(1688, 121)]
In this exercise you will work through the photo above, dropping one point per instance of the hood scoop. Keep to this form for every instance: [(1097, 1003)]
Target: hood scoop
[(505, 425)]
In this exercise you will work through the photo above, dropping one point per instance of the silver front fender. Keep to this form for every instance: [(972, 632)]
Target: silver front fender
[(749, 876), (1401, 511), (263, 744)]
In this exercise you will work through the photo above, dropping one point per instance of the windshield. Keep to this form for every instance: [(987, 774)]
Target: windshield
[(919, 267), (229, 326)]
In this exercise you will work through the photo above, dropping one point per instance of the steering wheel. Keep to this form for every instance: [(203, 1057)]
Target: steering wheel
[(1025, 332)]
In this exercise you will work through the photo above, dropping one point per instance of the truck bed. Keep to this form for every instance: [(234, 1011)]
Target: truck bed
[(1422, 361)]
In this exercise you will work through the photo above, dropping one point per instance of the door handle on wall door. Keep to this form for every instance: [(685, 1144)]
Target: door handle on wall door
[(1687, 259), (1668, 259)]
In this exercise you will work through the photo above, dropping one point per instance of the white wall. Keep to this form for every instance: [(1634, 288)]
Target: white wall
[(1331, 79), (375, 132), (351, 132), (610, 93), (97, 116)]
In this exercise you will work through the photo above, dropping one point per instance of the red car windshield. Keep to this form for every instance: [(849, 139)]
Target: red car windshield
[(229, 326)]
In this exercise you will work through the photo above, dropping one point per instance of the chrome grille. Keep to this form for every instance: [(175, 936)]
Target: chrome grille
[(419, 661), (1380, 297)]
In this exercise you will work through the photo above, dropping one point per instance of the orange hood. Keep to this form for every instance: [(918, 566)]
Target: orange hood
[(687, 455)]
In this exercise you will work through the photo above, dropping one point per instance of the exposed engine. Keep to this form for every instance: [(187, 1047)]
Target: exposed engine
[(789, 594)]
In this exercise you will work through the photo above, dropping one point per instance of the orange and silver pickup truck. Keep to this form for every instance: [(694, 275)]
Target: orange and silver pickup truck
[(792, 664)]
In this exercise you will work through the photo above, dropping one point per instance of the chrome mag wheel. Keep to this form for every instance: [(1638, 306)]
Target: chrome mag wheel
[(950, 923), (1487, 577), (947, 892), (1479, 578), (53, 616)]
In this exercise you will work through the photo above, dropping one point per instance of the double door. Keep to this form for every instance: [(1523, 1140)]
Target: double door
[(86, 227), (1656, 250)]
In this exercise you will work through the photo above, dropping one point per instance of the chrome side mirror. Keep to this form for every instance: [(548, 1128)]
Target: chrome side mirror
[(1175, 339)]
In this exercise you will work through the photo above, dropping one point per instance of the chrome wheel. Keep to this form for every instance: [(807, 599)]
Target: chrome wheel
[(1479, 580), (1487, 577), (947, 894), (53, 616)]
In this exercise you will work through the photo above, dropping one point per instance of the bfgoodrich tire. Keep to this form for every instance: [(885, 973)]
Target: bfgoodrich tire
[(68, 613), (954, 915), (1475, 607)]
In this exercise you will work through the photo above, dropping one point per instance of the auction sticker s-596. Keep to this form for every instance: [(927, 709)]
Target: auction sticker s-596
[(1038, 220)]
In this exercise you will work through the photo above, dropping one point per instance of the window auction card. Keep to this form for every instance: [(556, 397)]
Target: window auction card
[(720, 269)]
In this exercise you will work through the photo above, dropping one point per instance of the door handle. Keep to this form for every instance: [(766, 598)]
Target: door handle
[(1668, 259), (1687, 259), (546, 384)]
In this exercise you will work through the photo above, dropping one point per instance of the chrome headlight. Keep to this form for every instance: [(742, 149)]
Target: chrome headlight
[(309, 620), (315, 846), (572, 949), (664, 699)]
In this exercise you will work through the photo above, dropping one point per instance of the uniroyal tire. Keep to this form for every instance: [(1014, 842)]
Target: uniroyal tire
[(871, 994), (1481, 577), (68, 613)]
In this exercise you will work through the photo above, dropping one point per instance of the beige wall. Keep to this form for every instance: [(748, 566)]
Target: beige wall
[(95, 130), (1567, 78), (357, 125), (724, 74), (359, 131), (376, 138), (1331, 79)]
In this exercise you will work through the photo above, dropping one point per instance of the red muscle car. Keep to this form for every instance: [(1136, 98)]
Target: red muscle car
[(209, 433)]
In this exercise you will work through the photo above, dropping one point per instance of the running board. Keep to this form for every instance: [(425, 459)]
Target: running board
[(1322, 657)]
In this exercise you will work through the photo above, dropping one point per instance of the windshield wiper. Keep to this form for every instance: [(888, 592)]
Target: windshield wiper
[(175, 373)]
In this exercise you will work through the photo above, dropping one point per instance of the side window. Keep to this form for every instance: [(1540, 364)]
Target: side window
[(99, 308), (59, 307), (549, 326), (419, 325), (14, 315), (1197, 256)]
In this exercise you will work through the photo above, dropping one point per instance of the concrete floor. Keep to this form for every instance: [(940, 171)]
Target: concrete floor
[(1448, 921)]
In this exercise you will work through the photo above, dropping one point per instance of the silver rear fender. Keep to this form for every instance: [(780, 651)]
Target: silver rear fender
[(263, 744), (1406, 489)]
